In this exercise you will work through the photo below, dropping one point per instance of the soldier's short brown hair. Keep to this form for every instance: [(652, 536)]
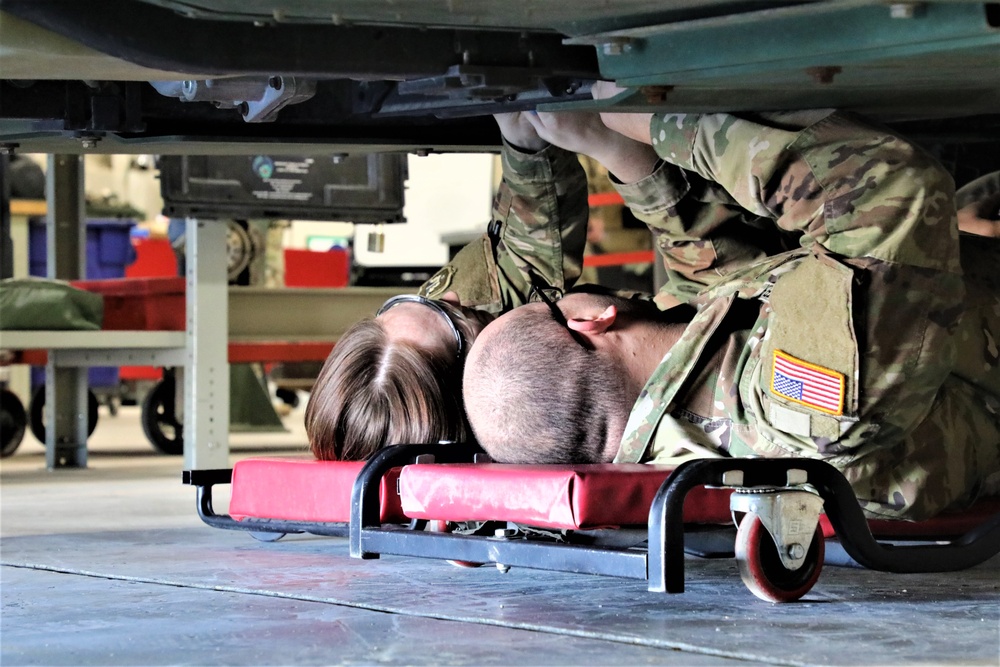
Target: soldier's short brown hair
[(533, 395), (373, 392)]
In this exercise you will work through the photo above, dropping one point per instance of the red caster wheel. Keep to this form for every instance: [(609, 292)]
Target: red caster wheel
[(762, 570), (445, 527)]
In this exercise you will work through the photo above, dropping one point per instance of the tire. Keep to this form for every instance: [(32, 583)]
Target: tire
[(762, 570), (159, 419), (38, 421), (289, 397), (13, 421)]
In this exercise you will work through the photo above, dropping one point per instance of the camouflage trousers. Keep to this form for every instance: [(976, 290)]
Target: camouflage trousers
[(958, 446)]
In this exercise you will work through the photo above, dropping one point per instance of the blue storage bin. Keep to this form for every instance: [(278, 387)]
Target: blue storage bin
[(109, 251), (98, 377), (109, 248)]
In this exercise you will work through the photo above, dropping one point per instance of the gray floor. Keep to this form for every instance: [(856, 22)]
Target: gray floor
[(111, 565)]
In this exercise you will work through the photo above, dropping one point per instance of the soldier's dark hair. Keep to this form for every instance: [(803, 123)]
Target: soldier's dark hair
[(534, 395), (373, 392)]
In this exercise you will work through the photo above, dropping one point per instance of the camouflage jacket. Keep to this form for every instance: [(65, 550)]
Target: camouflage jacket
[(539, 225), (829, 322)]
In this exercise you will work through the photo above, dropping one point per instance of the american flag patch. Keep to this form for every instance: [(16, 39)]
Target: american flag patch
[(808, 384)]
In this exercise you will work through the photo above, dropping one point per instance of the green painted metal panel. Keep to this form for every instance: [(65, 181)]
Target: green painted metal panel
[(791, 40)]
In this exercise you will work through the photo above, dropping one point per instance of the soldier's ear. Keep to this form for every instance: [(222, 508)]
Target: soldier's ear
[(594, 325)]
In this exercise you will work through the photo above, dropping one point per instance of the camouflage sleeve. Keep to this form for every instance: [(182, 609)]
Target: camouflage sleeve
[(701, 232), (539, 224), (540, 220), (876, 302), (826, 176)]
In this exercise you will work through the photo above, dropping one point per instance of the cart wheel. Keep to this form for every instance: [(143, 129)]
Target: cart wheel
[(264, 536), (435, 526), (762, 570), (159, 420), (38, 422), (289, 397), (13, 421)]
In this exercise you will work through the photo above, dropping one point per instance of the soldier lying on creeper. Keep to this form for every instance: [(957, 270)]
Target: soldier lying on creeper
[(819, 264), (396, 377)]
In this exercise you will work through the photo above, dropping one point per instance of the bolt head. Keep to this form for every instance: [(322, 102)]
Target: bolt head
[(796, 551)]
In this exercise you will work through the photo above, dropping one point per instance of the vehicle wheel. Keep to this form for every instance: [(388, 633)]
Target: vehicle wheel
[(762, 570), (159, 419), (37, 405), (435, 526), (289, 397), (13, 421)]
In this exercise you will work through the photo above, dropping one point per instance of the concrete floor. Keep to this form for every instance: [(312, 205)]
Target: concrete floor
[(111, 565)]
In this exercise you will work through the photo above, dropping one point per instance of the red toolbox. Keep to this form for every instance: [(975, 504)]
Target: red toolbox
[(140, 304), (309, 268)]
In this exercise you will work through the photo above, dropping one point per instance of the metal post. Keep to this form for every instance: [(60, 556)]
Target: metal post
[(65, 413), (66, 241), (65, 416), (6, 240), (206, 378)]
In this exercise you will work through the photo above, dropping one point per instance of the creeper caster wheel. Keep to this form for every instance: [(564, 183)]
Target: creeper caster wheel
[(761, 566), (445, 527), (264, 536)]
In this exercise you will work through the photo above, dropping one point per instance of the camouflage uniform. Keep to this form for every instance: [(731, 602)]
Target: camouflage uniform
[(849, 346), (539, 224)]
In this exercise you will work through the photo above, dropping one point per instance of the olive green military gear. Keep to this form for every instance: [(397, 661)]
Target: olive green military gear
[(539, 228), (830, 325)]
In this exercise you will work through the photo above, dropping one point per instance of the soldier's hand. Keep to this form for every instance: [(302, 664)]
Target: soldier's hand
[(584, 132), (518, 130), (981, 218), (632, 125), (576, 131)]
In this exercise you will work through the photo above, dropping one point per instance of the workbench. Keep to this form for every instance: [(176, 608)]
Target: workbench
[(216, 316)]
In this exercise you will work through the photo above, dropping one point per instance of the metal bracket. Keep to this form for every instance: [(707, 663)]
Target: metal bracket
[(789, 514), (257, 98)]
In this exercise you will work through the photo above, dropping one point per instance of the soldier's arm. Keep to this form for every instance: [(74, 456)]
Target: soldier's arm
[(854, 190), (539, 221), (701, 232), (538, 226)]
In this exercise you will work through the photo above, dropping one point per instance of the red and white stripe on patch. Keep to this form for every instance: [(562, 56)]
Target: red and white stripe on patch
[(807, 384)]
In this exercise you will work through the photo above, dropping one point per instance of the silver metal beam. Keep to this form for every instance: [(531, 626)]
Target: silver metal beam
[(65, 413), (206, 376)]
